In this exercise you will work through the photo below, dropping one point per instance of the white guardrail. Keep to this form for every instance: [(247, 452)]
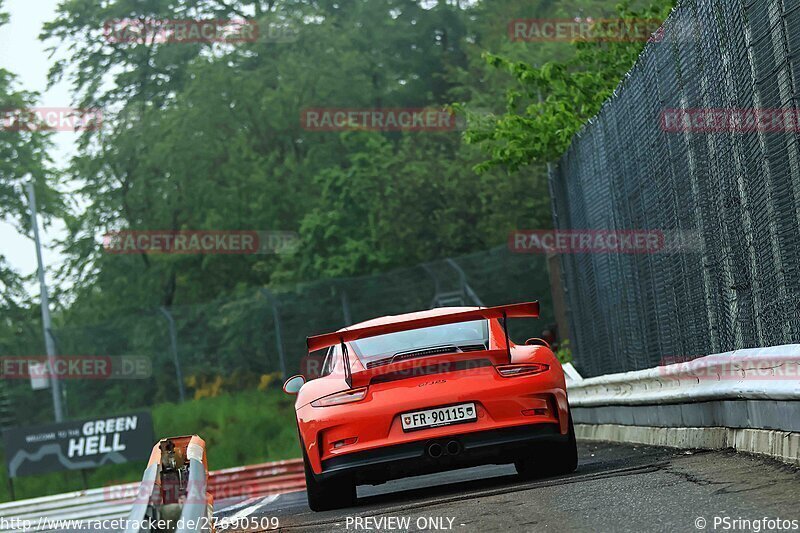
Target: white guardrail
[(757, 373), (747, 400), (117, 501), (92, 504)]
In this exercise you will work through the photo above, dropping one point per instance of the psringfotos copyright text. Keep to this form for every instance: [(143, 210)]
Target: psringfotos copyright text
[(756, 525), (400, 523)]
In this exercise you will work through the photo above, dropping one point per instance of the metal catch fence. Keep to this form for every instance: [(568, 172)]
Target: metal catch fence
[(700, 139)]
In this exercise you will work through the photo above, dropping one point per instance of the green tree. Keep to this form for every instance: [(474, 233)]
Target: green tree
[(552, 101), (23, 159), (209, 137)]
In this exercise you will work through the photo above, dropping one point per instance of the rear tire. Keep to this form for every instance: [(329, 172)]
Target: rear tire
[(552, 459), (327, 495)]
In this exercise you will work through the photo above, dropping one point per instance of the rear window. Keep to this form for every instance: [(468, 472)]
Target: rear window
[(458, 335)]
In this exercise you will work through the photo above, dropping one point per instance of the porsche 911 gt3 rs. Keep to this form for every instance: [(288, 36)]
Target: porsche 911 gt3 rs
[(426, 392)]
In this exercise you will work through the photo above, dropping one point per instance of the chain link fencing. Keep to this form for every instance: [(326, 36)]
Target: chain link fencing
[(251, 340), (680, 149)]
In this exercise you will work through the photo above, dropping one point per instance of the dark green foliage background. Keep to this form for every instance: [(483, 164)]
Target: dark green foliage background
[(208, 137)]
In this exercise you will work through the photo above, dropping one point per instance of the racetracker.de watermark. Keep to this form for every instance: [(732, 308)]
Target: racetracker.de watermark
[(203, 523), (592, 241), (51, 119), (200, 242), (586, 241), (387, 119), (311, 366), (730, 120), (569, 30), (159, 31), (724, 367), (76, 367)]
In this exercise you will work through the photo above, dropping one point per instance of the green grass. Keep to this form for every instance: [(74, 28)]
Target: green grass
[(239, 429)]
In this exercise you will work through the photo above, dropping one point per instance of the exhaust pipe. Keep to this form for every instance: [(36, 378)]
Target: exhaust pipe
[(453, 447), (435, 450)]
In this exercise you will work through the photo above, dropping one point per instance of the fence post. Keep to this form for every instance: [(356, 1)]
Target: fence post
[(465, 287), (55, 386), (276, 318), (558, 294), (348, 320), (173, 336), (64, 394)]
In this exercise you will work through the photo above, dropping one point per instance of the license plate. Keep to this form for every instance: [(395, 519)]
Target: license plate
[(441, 416)]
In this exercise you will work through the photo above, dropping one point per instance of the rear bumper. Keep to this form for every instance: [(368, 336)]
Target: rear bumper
[(375, 422), (497, 446)]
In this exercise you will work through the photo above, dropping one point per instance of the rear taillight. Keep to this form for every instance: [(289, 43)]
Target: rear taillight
[(348, 396), (527, 369)]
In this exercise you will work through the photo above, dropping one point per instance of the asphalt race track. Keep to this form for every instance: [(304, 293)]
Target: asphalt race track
[(616, 488)]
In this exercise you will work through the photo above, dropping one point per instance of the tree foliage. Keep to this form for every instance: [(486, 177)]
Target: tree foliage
[(208, 136), (23, 159), (552, 101)]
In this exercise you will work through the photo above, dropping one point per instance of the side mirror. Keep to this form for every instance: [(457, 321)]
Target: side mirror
[(293, 384), (537, 342)]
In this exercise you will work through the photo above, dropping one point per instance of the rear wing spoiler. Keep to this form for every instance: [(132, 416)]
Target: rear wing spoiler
[(523, 310), (319, 342)]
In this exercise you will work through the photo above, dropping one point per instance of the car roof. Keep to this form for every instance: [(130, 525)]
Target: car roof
[(391, 319)]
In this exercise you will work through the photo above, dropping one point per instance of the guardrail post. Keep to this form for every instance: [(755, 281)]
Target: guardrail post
[(174, 487), (198, 501)]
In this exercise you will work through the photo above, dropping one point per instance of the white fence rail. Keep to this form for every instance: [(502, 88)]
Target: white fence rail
[(93, 504), (748, 400), (759, 373), (116, 502)]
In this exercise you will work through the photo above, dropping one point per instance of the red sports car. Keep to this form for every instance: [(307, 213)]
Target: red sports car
[(430, 391)]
